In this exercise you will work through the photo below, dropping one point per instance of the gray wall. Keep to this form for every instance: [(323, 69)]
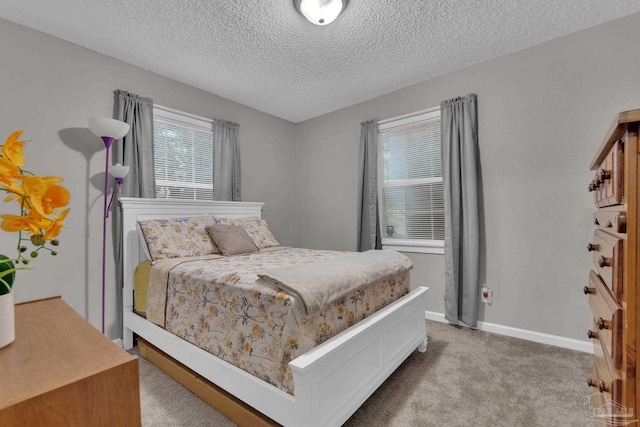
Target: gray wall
[(542, 114), (49, 87)]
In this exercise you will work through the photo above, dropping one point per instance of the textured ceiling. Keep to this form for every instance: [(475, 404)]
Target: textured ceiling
[(263, 54)]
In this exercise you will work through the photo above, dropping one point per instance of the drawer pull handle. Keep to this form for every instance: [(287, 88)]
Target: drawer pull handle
[(600, 385), (592, 335), (587, 290), (604, 174), (602, 324), (621, 220), (592, 247), (602, 388), (604, 261)]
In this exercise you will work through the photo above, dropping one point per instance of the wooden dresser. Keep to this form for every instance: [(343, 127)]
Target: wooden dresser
[(61, 371), (613, 284)]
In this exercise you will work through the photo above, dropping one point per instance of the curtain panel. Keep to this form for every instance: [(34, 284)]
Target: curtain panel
[(459, 123), (226, 161), (369, 236), (136, 151)]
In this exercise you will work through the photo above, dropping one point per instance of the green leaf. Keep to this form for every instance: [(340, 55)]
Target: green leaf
[(4, 287), (7, 271)]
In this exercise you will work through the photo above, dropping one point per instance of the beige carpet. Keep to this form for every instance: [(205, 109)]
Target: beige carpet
[(466, 378)]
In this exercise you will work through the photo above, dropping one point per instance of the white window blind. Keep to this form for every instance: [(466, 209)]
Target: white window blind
[(183, 155), (410, 182)]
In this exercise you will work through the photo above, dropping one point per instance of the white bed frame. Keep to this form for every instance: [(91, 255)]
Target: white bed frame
[(331, 381)]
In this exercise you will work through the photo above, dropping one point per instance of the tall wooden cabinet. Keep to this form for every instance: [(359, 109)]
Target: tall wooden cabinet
[(613, 285)]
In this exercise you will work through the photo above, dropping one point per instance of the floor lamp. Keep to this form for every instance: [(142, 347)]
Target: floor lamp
[(108, 130)]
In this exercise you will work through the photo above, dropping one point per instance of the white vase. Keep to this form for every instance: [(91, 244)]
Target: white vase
[(7, 320)]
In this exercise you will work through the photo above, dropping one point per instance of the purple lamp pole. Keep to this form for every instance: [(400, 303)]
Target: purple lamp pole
[(108, 130)]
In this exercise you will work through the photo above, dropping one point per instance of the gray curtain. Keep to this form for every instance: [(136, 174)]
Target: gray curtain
[(461, 236), (368, 222), (136, 151), (226, 161)]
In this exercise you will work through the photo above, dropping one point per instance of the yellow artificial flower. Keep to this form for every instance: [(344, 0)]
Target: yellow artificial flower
[(12, 185), (34, 186), (39, 199), (54, 196), (9, 172), (52, 231), (12, 149), (29, 223)]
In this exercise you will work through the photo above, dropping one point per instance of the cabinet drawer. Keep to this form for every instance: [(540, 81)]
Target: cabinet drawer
[(607, 316), (608, 257), (604, 381), (607, 184), (615, 221)]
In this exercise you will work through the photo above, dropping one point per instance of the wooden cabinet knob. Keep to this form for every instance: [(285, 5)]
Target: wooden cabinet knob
[(602, 324), (604, 174), (604, 261), (592, 335), (621, 222), (592, 247), (587, 290), (602, 387)]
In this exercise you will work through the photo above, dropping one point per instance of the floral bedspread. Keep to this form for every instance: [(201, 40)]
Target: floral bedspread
[(220, 305)]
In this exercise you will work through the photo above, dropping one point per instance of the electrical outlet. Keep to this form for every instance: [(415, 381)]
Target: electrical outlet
[(486, 295)]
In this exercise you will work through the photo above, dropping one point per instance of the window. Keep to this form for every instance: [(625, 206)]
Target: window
[(410, 186), (183, 155)]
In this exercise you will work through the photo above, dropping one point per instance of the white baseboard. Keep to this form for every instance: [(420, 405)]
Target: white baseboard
[(119, 342), (539, 337)]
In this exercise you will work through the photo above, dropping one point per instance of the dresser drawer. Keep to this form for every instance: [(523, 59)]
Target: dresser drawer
[(608, 257), (615, 221), (607, 316), (607, 184), (603, 380)]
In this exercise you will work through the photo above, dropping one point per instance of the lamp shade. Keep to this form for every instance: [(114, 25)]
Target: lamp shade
[(110, 128), (119, 171), (320, 12)]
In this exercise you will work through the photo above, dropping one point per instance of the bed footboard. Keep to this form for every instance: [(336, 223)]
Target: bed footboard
[(331, 381), (334, 379)]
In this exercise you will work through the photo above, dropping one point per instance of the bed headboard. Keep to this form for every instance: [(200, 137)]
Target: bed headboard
[(134, 209)]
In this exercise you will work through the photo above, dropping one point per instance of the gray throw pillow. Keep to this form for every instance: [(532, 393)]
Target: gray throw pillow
[(231, 239)]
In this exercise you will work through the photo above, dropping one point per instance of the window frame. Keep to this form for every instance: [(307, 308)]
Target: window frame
[(406, 245), (186, 120)]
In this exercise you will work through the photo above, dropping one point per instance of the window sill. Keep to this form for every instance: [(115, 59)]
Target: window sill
[(424, 247)]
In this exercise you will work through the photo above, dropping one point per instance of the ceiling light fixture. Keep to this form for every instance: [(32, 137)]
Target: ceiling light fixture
[(320, 12)]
